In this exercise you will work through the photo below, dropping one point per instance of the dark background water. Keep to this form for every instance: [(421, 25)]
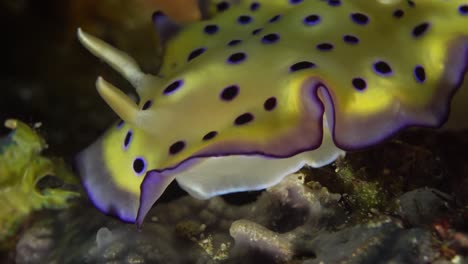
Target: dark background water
[(48, 77)]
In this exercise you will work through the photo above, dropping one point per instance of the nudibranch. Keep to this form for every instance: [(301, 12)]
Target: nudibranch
[(262, 88)]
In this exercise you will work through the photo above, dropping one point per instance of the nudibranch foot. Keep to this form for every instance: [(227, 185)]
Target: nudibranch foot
[(204, 178), (235, 173)]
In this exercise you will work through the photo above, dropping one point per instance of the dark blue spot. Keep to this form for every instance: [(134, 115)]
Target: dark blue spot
[(176, 147), (463, 9), (237, 58), (311, 20), (398, 13), (210, 135), (256, 31), (350, 39), (147, 105), (244, 19), (211, 29), (234, 42), (381, 67), (128, 139), (325, 46), (229, 92), (419, 74), (196, 53), (222, 6), (360, 18), (420, 29), (254, 6), (302, 65), (172, 87), (334, 2), (275, 18), (270, 38), (120, 124), (270, 104), (359, 83), (243, 119), (295, 2), (139, 166)]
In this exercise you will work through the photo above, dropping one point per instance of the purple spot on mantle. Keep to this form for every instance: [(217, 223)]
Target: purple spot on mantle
[(420, 29), (359, 83), (334, 2), (237, 58), (325, 46), (311, 20), (382, 68), (398, 13), (275, 18), (295, 2), (222, 6), (127, 139), (139, 166), (234, 42), (254, 6), (176, 147), (120, 124), (350, 39), (463, 9), (147, 105), (360, 18), (270, 38), (244, 19), (172, 87), (243, 119), (195, 53), (256, 31), (270, 104), (301, 66), (229, 92), (210, 135), (420, 74), (211, 29)]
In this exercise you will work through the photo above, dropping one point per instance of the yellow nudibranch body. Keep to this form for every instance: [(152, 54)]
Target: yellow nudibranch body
[(261, 88)]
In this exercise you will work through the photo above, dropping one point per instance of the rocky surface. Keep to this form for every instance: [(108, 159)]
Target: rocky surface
[(288, 223)]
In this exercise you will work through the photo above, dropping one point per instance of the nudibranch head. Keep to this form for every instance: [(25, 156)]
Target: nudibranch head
[(264, 87)]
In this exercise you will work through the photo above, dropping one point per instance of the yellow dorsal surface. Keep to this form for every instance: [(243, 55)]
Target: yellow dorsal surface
[(279, 84)]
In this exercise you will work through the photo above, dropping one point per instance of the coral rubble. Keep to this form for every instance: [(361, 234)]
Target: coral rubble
[(288, 223)]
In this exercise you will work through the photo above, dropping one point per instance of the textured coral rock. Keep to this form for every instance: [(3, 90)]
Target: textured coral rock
[(423, 206), (289, 223)]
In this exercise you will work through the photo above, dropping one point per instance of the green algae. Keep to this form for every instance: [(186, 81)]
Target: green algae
[(365, 196), (21, 168)]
